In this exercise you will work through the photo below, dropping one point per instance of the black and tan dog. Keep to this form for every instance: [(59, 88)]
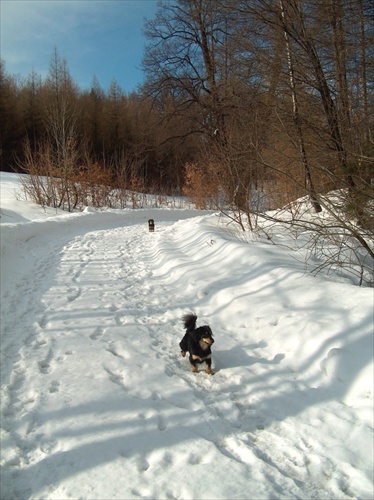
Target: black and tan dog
[(197, 341)]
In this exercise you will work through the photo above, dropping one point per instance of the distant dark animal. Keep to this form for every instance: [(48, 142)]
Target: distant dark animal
[(151, 225), (197, 342)]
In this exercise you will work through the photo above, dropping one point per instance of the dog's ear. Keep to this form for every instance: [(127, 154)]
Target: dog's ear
[(197, 334), (207, 330)]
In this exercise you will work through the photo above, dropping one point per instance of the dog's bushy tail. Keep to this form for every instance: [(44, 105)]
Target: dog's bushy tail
[(189, 321)]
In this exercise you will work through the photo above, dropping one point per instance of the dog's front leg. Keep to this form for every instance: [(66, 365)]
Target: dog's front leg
[(183, 344), (208, 368), (193, 364)]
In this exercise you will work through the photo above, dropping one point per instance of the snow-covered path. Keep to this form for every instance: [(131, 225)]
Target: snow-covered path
[(98, 404), (91, 388)]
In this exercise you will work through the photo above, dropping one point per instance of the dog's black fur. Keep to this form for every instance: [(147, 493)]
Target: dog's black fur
[(197, 341), (151, 225)]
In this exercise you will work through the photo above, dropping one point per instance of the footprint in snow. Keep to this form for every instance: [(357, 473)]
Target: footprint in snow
[(156, 396), (97, 333), (43, 322), (74, 294), (143, 464), (113, 351), (162, 425), (44, 366), (116, 379), (54, 387)]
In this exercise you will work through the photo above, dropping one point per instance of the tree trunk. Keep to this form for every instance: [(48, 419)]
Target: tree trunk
[(327, 100), (296, 118)]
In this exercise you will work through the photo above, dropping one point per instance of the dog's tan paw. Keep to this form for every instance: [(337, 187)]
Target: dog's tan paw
[(194, 369), (183, 353), (209, 371)]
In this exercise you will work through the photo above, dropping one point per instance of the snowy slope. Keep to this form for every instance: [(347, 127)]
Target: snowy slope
[(97, 403)]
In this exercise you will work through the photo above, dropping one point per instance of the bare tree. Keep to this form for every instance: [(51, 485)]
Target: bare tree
[(184, 59), (296, 114), (61, 118)]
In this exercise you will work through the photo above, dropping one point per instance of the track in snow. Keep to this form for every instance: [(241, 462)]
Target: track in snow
[(98, 388)]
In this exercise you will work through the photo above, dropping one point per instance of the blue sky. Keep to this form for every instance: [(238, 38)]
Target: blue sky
[(97, 37)]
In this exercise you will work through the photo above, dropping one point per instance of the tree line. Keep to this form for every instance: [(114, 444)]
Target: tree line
[(88, 131), (246, 104)]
